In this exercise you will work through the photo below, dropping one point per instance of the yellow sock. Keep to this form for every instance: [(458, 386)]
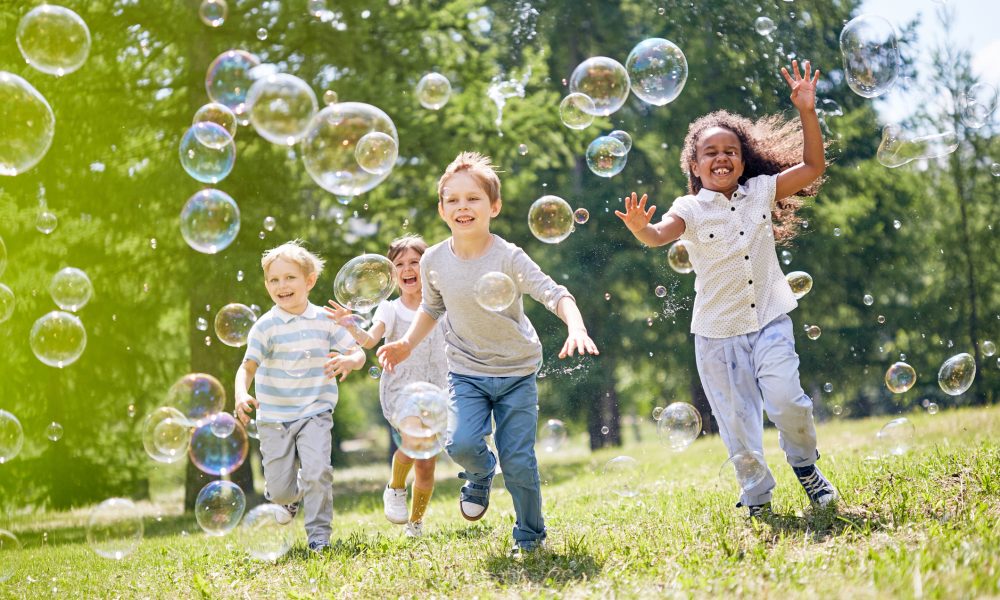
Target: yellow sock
[(421, 498), (399, 472)]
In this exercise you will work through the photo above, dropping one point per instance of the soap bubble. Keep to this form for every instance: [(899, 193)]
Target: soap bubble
[(210, 221), (213, 12), (219, 507), (376, 153), (46, 222), (896, 150), (837, 409), (495, 291), (262, 34), (749, 467), (58, 339), (422, 419), (932, 408), (330, 97), (956, 374), (71, 289), (221, 115), (977, 104), (10, 557), (54, 431), (896, 436), (604, 80), (7, 302), (197, 395), (553, 435), (660, 291), (871, 59), (764, 26), (657, 413), (28, 125), (218, 455), (207, 152), (577, 111), (550, 219), (868, 300), (166, 434), (900, 377), (813, 332), (658, 71), (624, 138), (995, 169), (679, 425), (829, 108), (581, 216), (622, 475), (222, 424), (522, 149), (828, 387), (266, 532), (988, 347), (786, 257), (233, 323), (53, 39), (679, 258), (606, 156), (433, 91), (251, 428), (375, 372), (800, 282), (11, 437), (3, 256), (114, 529), (328, 148), (364, 281), (228, 79), (281, 107)]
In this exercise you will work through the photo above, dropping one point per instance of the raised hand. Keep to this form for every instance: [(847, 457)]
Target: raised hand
[(636, 217), (339, 313), (803, 88)]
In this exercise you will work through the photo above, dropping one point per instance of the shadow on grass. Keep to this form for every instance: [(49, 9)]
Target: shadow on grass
[(550, 565), (62, 535), (821, 524)]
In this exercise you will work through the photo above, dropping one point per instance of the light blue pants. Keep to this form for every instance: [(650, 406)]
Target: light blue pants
[(513, 403), (746, 374)]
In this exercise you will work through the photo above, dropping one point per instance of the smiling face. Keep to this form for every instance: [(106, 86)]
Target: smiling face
[(718, 160), (408, 272), (288, 285), (465, 206)]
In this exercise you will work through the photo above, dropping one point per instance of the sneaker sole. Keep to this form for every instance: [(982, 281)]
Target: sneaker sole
[(469, 518)]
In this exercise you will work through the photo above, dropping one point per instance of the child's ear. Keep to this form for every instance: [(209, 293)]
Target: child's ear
[(495, 207), (693, 168), (311, 280)]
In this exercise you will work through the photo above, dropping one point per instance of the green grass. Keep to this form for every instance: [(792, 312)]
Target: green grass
[(925, 524)]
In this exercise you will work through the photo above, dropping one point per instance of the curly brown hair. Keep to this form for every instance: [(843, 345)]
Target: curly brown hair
[(769, 145)]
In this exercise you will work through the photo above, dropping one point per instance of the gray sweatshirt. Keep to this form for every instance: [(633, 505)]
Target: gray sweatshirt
[(479, 341)]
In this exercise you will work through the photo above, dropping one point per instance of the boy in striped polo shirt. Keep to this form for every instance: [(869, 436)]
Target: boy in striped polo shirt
[(287, 349)]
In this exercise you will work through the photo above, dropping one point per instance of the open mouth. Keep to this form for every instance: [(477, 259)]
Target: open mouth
[(285, 295), (463, 219), (721, 171), (409, 280)]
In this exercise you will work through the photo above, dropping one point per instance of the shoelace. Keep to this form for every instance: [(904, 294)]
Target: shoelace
[(814, 484)]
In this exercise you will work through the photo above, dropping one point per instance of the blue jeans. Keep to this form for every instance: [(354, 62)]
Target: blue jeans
[(513, 402)]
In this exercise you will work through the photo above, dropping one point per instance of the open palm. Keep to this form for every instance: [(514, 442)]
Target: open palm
[(803, 87)]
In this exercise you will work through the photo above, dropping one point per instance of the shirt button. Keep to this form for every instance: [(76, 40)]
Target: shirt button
[(741, 233), (733, 208), (711, 235), (753, 306), (747, 257), (750, 282)]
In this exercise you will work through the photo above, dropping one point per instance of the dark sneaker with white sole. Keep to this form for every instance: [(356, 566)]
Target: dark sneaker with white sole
[(756, 511), (819, 489)]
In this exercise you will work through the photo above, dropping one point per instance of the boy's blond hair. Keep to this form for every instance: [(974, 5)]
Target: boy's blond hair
[(293, 252), (480, 167), (407, 242)]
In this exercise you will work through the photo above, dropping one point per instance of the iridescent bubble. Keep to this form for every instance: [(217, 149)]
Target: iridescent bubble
[(660, 291), (604, 80), (11, 558), (218, 455), (422, 420), (658, 71), (657, 413), (995, 169), (219, 507), (261, 34), (900, 377), (46, 222), (868, 300), (522, 149), (222, 424), (550, 219), (880, 319), (213, 12), (364, 281), (376, 153), (233, 323), (281, 107), (813, 332), (624, 138), (207, 152), (553, 435), (58, 339), (577, 111), (71, 289), (330, 97), (896, 150), (28, 125), (828, 387), (251, 428), (11, 437), (764, 26), (375, 372), (166, 434), (54, 431), (495, 291), (871, 59), (433, 91), (749, 467), (622, 475), (581, 216), (53, 39), (266, 533), (896, 436), (957, 373), (197, 395), (7, 302), (328, 149), (270, 223), (977, 104), (606, 156), (228, 79), (210, 221), (932, 408), (988, 347), (679, 258), (679, 425), (114, 529), (221, 115), (800, 282)]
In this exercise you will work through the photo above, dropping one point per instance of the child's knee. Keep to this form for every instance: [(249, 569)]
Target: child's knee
[(316, 475), (461, 448)]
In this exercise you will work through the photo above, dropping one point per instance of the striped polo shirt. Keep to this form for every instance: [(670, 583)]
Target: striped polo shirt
[(290, 351)]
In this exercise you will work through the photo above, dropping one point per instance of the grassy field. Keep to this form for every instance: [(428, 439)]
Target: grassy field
[(924, 524)]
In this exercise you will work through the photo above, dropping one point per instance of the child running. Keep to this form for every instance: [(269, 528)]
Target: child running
[(739, 174), (427, 363), (492, 356)]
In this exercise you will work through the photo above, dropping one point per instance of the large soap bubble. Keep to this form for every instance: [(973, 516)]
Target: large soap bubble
[(114, 529), (213, 12), (679, 257), (900, 377), (53, 39), (896, 149), (748, 466), (207, 152), (71, 289), (896, 437), (679, 425), (266, 533), (957, 373), (433, 91), (550, 219), (7, 302), (495, 291), (233, 323), (11, 436), (218, 455), (197, 395), (58, 338), (28, 125), (219, 507), (604, 80), (210, 221), (328, 148), (364, 281), (800, 282), (221, 115), (871, 59), (623, 137), (280, 107), (577, 111), (376, 153), (166, 434), (764, 26), (228, 79), (553, 436), (622, 475), (657, 70), (606, 156), (11, 558), (977, 104), (422, 420)]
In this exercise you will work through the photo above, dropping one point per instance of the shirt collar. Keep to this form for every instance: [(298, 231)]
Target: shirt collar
[(707, 195), (311, 312)]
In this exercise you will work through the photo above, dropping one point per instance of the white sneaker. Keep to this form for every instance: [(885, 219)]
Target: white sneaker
[(287, 513), (414, 529), (394, 505)]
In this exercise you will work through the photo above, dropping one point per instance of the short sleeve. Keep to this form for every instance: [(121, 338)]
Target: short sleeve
[(385, 314), (257, 344), (534, 282), (763, 189), (683, 208), (432, 303)]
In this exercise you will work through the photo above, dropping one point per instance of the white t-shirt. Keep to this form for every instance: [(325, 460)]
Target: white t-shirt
[(427, 362)]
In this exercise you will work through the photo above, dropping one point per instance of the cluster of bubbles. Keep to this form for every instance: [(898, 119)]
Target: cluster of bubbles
[(553, 435), (433, 91), (495, 291), (679, 257), (421, 418), (677, 425), (550, 219), (364, 281), (870, 56), (233, 323), (896, 150)]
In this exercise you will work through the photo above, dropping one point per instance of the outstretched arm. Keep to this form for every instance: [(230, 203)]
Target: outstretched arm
[(791, 180), (245, 403), (637, 218), (577, 339), (349, 321), (390, 355)]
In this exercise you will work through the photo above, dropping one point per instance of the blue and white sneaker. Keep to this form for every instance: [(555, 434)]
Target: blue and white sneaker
[(474, 499), (819, 489)]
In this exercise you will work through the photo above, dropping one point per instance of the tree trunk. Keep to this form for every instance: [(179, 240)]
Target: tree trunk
[(604, 416)]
